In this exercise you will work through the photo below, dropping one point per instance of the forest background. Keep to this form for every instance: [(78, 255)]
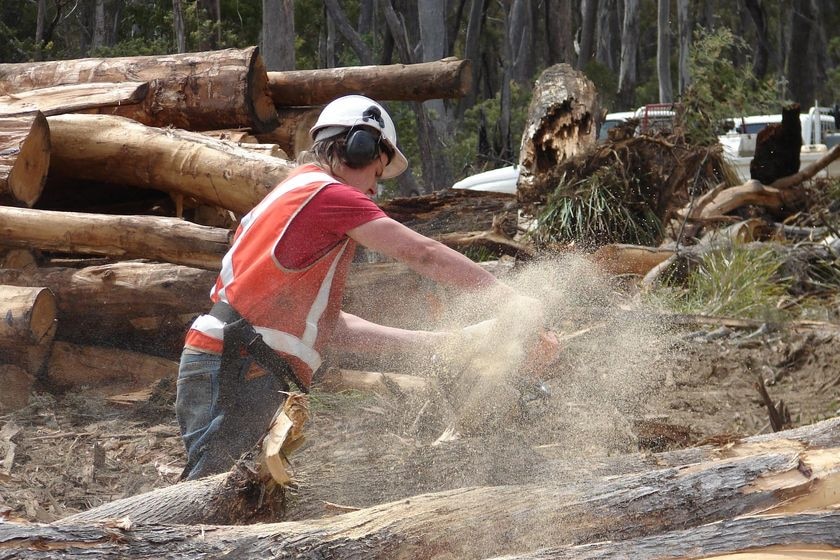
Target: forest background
[(727, 57)]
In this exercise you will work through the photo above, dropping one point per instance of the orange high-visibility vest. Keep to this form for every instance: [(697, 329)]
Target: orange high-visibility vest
[(294, 310)]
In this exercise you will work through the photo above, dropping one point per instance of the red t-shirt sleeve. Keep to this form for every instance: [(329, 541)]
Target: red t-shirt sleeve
[(323, 223)]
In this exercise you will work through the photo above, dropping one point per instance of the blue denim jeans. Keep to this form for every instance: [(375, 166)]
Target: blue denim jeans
[(220, 419)]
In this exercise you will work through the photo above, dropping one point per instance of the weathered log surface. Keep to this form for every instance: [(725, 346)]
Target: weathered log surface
[(24, 156), (194, 91), (292, 134), (109, 370), (561, 124), (130, 237), (71, 98), (442, 79), (17, 386), (117, 292), (116, 150), (805, 535), (512, 518), (28, 314)]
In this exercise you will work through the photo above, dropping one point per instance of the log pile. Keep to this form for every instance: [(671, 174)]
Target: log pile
[(121, 182)]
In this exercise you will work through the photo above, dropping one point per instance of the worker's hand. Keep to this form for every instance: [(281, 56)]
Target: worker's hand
[(543, 352)]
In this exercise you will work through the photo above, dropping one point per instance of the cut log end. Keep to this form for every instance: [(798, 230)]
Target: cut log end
[(264, 114), (29, 159)]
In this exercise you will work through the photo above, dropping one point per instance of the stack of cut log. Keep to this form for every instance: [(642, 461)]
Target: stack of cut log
[(121, 181)]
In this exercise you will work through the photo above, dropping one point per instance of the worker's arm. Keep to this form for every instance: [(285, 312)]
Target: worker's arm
[(352, 333), (425, 256)]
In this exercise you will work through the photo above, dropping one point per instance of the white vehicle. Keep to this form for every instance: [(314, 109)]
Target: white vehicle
[(739, 143)]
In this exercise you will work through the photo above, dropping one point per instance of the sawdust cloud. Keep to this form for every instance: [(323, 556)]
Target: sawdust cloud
[(606, 370)]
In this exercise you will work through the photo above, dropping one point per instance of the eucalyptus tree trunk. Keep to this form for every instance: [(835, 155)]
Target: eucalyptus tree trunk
[(758, 13), (520, 39), (432, 18), (606, 33), (98, 24), (587, 32), (559, 23), (278, 34), (366, 16), (684, 25), (800, 61), (627, 73), (342, 24), (663, 51), (472, 52), (39, 27), (180, 27)]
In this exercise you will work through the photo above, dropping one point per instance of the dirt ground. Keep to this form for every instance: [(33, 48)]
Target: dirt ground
[(66, 453)]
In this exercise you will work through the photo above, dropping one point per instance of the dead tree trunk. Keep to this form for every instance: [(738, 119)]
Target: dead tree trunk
[(561, 123), (193, 91), (779, 478), (442, 79), (24, 157), (72, 98), (120, 151), (128, 237)]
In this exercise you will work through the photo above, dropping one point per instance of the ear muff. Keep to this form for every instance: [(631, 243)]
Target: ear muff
[(362, 144), (361, 147)]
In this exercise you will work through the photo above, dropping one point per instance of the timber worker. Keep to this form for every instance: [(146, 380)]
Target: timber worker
[(277, 298)]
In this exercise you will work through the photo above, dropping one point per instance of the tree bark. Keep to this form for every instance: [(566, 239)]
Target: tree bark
[(561, 123), (119, 151), (127, 237), (109, 296), (606, 34), (801, 65), (72, 98), (24, 157), (196, 91), (773, 475), (802, 535)]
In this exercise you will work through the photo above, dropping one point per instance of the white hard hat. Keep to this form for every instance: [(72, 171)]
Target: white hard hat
[(358, 110)]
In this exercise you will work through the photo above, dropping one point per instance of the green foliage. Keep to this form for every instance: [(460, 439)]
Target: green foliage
[(606, 82), (718, 89), (733, 282), (602, 208), (465, 157)]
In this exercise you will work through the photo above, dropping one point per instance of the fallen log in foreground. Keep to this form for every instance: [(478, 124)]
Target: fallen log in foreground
[(815, 536), (780, 477)]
